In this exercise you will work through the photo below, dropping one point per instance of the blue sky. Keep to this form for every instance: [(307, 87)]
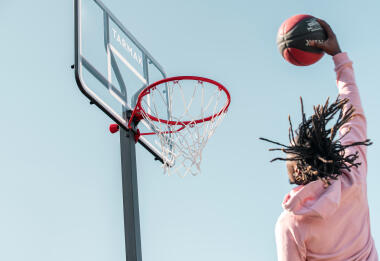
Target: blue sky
[(60, 189)]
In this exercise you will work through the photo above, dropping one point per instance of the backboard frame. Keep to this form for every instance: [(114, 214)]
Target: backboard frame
[(80, 61)]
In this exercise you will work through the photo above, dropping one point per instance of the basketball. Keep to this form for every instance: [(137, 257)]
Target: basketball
[(294, 36)]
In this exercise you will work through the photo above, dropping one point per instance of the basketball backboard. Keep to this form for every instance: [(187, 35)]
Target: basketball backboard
[(111, 66)]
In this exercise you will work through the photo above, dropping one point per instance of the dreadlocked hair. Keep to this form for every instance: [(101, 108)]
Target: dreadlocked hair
[(314, 148)]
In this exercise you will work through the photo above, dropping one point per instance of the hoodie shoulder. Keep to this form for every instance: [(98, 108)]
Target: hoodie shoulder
[(290, 237)]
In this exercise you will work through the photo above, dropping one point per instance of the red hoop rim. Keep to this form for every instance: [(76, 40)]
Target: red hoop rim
[(146, 91)]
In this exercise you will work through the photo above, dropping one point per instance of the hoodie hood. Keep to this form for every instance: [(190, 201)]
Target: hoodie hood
[(313, 199)]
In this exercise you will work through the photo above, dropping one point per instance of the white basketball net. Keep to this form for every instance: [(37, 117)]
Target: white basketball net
[(184, 101)]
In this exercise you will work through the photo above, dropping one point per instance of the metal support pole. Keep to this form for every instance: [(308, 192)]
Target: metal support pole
[(130, 196)]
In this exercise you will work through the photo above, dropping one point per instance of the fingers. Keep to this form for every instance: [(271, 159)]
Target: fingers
[(317, 44), (327, 28)]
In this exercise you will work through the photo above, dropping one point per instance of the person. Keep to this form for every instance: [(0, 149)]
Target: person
[(326, 217)]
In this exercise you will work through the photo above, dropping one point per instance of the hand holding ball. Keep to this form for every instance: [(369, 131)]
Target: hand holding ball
[(300, 39)]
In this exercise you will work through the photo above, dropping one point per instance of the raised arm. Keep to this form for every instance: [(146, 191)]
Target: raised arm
[(347, 88)]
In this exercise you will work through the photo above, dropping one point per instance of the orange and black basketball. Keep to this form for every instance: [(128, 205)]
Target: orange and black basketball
[(294, 36)]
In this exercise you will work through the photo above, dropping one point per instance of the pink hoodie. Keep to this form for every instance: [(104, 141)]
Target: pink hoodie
[(333, 223)]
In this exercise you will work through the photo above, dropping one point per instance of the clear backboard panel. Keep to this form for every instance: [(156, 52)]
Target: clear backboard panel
[(111, 66)]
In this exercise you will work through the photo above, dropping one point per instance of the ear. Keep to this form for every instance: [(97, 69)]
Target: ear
[(291, 168), (296, 170)]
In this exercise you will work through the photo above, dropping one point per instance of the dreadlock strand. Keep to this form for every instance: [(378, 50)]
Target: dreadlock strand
[(274, 142), (291, 132)]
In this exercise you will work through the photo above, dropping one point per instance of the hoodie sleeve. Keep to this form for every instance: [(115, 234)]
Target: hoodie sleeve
[(348, 89), (289, 245)]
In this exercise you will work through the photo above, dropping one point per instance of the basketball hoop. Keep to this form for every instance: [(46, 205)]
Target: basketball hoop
[(183, 112)]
